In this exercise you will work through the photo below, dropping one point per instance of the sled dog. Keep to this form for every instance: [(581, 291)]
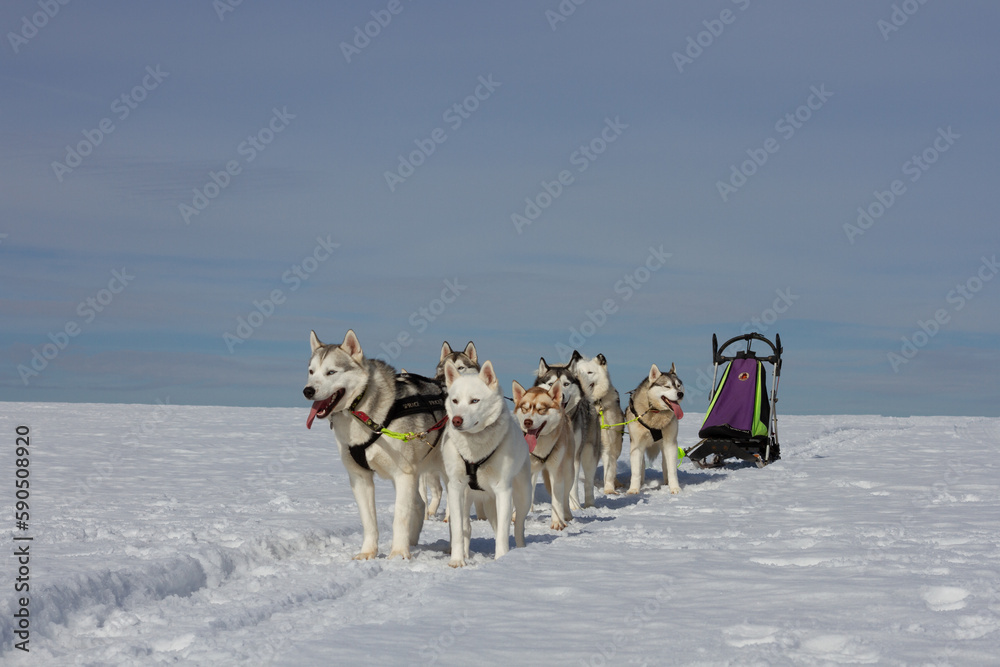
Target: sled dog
[(485, 456), (362, 398), (467, 362), (583, 417), (550, 443), (655, 408), (596, 382)]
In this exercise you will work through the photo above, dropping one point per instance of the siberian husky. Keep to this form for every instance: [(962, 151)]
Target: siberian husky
[(583, 417), (361, 397), (596, 382), (550, 443), (653, 413), (466, 361), (485, 456)]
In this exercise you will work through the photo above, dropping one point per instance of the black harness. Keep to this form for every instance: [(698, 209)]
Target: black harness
[(472, 469), (401, 407), (539, 458), (655, 432)]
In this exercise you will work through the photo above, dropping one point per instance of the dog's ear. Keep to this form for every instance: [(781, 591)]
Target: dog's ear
[(470, 352), (450, 373), (575, 358), (654, 373), (487, 375), (673, 371), (445, 351), (555, 391), (352, 346), (542, 367), (314, 341), (518, 392), (601, 360)]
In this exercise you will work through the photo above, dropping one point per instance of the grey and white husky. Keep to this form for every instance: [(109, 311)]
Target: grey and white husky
[(583, 417), (655, 407), (361, 397), (596, 382), (466, 361)]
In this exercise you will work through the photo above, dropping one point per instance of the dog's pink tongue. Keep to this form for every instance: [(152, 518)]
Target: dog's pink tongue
[(676, 407), (532, 438), (312, 413)]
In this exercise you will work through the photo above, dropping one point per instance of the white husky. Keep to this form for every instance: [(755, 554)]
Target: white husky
[(596, 382), (362, 398), (655, 409), (485, 456)]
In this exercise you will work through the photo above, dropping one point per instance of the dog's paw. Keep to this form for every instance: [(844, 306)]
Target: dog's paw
[(366, 555), (610, 491), (632, 492), (558, 525), (402, 553), (456, 562), (675, 489)]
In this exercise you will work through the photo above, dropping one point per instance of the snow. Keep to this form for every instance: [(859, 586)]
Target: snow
[(215, 536)]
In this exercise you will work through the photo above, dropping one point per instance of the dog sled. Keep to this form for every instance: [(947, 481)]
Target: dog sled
[(741, 421)]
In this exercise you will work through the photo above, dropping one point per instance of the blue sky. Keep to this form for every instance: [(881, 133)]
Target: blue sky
[(187, 191)]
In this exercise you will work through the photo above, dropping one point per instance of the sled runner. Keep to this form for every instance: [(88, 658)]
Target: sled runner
[(741, 421)]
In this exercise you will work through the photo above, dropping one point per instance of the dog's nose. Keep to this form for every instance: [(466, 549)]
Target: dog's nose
[(680, 395), (308, 392), (528, 423), (457, 422)]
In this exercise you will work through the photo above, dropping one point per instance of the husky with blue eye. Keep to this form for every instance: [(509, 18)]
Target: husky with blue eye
[(486, 458)]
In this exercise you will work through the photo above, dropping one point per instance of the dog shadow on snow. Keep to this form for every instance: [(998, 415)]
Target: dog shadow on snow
[(485, 546)]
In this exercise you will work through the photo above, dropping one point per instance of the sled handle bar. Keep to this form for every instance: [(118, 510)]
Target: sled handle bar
[(776, 349)]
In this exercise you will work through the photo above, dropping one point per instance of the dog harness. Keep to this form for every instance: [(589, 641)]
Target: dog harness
[(401, 407), (472, 469), (541, 459), (655, 432)]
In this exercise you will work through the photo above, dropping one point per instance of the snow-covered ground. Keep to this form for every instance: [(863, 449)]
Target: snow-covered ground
[(216, 536)]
